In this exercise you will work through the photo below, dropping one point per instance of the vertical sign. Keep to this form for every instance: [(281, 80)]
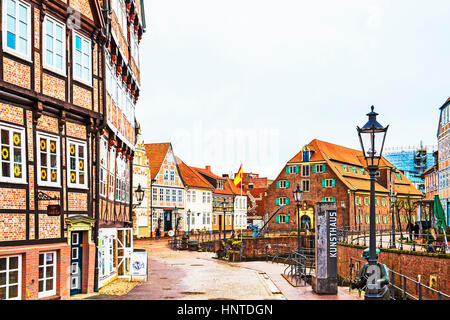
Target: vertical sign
[(325, 279)]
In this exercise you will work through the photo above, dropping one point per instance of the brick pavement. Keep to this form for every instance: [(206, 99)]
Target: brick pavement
[(197, 275)]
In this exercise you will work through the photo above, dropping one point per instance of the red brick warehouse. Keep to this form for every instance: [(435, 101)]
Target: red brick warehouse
[(329, 172)]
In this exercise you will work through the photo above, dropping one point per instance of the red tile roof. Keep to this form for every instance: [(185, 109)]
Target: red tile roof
[(156, 153), (336, 156), (208, 173), (191, 177)]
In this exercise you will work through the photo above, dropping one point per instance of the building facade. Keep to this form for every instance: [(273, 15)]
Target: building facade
[(167, 189), (332, 173), (198, 202), (141, 177), (443, 135), (223, 200), (50, 113), (125, 24)]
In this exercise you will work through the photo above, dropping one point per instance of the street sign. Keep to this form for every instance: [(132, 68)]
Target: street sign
[(138, 263)]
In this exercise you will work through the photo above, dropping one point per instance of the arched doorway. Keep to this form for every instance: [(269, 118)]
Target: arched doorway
[(305, 222)]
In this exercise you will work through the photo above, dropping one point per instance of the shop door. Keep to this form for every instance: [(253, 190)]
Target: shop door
[(76, 262), (124, 250), (167, 220)]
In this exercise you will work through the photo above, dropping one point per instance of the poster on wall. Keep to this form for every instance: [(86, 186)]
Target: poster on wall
[(138, 263)]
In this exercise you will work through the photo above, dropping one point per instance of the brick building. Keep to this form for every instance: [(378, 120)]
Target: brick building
[(431, 178), (50, 111), (328, 172), (57, 121), (443, 166), (125, 24)]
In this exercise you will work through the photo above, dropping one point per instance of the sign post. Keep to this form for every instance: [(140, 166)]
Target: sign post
[(138, 263), (325, 279)]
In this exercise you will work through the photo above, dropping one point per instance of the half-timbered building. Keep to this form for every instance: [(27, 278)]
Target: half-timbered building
[(51, 101), (125, 24)]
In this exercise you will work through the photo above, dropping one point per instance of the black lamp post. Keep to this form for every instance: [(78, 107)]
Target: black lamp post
[(224, 222), (393, 201), (189, 220), (298, 193), (139, 196), (343, 219), (372, 136)]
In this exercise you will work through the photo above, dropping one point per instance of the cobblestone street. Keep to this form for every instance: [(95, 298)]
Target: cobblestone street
[(197, 275)]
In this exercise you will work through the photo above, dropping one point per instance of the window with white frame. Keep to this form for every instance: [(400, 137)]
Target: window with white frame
[(172, 175), (155, 194), (77, 164), (48, 160), (10, 277), (161, 194), (305, 185), (194, 196), (180, 196), (54, 45), (209, 197), (305, 170), (112, 168), (17, 28), (82, 64), (204, 197), (167, 195), (47, 274), (103, 166), (12, 159), (174, 195), (166, 175), (188, 196)]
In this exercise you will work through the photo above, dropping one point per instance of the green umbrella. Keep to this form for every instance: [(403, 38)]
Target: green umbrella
[(439, 213)]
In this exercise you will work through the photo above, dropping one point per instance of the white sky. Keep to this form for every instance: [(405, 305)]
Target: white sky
[(252, 81)]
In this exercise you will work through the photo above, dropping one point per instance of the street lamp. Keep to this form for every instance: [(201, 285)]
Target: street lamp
[(298, 193), (188, 220), (139, 196), (372, 136), (343, 218), (393, 201)]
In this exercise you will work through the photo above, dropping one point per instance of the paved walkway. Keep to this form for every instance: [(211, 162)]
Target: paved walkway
[(198, 275)]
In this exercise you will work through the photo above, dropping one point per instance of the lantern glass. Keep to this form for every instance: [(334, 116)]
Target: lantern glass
[(298, 193), (139, 194), (372, 137)]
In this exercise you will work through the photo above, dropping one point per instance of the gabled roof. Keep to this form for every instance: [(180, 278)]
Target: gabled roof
[(191, 177), (349, 165), (233, 188), (156, 152), (208, 173)]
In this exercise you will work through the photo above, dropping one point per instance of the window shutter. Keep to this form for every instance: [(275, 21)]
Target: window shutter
[(287, 170), (287, 183), (323, 199), (297, 169), (334, 183), (278, 201), (278, 184), (324, 168), (287, 219), (277, 219), (323, 183), (334, 199), (287, 201), (314, 169)]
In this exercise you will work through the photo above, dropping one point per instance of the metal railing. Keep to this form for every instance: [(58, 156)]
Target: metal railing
[(401, 287), (424, 242), (300, 267)]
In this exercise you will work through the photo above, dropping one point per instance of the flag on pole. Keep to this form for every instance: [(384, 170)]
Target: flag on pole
[(238, 178)]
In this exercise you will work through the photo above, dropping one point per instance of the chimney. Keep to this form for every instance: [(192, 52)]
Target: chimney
[(208, 168)]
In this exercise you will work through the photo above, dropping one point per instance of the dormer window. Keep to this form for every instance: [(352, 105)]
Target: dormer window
[(220, 184)]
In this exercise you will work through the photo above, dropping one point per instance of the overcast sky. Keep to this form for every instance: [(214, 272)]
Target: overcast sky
[(252, 81)]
